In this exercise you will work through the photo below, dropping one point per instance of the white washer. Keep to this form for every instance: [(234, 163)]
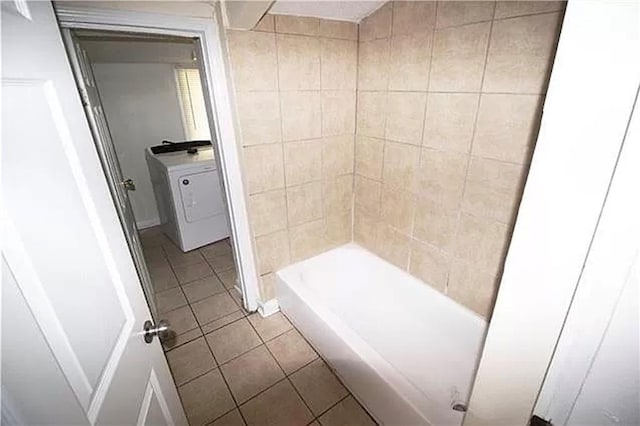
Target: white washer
[(189, 197)]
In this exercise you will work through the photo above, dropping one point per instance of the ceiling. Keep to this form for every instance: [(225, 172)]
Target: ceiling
[(345, 10)]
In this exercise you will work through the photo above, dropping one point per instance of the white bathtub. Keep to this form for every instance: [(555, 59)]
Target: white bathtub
[(403, 349)]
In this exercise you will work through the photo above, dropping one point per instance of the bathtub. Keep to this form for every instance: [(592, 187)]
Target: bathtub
[(404, 350)]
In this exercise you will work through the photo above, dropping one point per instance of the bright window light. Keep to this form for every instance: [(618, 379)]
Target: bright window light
[(194, 114)]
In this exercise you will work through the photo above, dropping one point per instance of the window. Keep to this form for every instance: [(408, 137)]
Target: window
[(194, 114)]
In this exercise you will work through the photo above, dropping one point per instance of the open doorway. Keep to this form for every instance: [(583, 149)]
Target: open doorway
[(144, 98)]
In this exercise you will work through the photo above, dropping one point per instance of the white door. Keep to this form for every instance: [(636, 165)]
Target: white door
[(594, 376), (73, 350), (118, 183)]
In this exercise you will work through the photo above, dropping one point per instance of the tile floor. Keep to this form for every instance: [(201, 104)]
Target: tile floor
[(233, 367)]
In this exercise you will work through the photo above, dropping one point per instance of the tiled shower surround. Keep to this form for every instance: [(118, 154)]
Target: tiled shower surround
[(444, 100), (295, 81)]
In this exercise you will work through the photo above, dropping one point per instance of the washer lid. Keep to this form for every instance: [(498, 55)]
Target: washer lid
[(182, 160)]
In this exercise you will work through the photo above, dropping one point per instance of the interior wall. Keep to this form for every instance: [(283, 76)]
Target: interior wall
[(295, 84), (142, 107), (449, 103)]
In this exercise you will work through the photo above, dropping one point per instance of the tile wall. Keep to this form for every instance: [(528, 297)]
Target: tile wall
[(295, 83), (448, 98), (449, 103)]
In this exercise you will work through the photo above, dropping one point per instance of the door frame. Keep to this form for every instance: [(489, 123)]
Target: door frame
[(220, 105), (104, 145)]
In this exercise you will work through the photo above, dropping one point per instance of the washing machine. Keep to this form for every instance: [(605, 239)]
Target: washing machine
[(188, 194)]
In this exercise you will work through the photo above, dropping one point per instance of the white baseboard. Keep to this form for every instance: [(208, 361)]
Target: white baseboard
[(269, 307), (142, 224)]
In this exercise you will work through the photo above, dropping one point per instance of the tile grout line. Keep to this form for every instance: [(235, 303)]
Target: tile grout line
[(286, 376), (282, 151), (203, 336), (283, 370), (331, 370), (325, 411), (355, 134), (454, 237), (199, 326), (185, 296), (386, 91), (415, 195)]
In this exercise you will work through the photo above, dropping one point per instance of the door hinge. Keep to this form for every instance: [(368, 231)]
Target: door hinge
[(539, 421)]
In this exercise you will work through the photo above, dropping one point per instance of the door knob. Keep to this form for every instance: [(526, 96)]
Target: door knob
[(129, 184), (151, 330)]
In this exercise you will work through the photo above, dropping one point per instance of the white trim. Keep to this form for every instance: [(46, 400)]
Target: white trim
[(142, 224), (220, 109), (269, 307)]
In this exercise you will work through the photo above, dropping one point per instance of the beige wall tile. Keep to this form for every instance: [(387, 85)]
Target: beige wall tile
[(420, 221), (481, 241), (267, 285), (298, 62), (304, 203), (413, 16), (507, 9), (259, 117), (442, 175), (268, 212), (400, 167), (507, 127), (264, 168), (458, 58), (373, 64), (301, 115), (493, 189), (367, 194), (338, 112), (450, 120), (337, 194), (405, 117), (521, 54), (377, 25), (338, 29), (472, 287), (429, 264), (453, 13), (393, 246), (338, 228), (297, 25), (371, 113), (434, 224), (369, 155), (337, 155), (253, 60), (267, 23), (396, 208), (365, 230), (409, 61), (272, 251), (307, 240), (339, 59), (303, 161)]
